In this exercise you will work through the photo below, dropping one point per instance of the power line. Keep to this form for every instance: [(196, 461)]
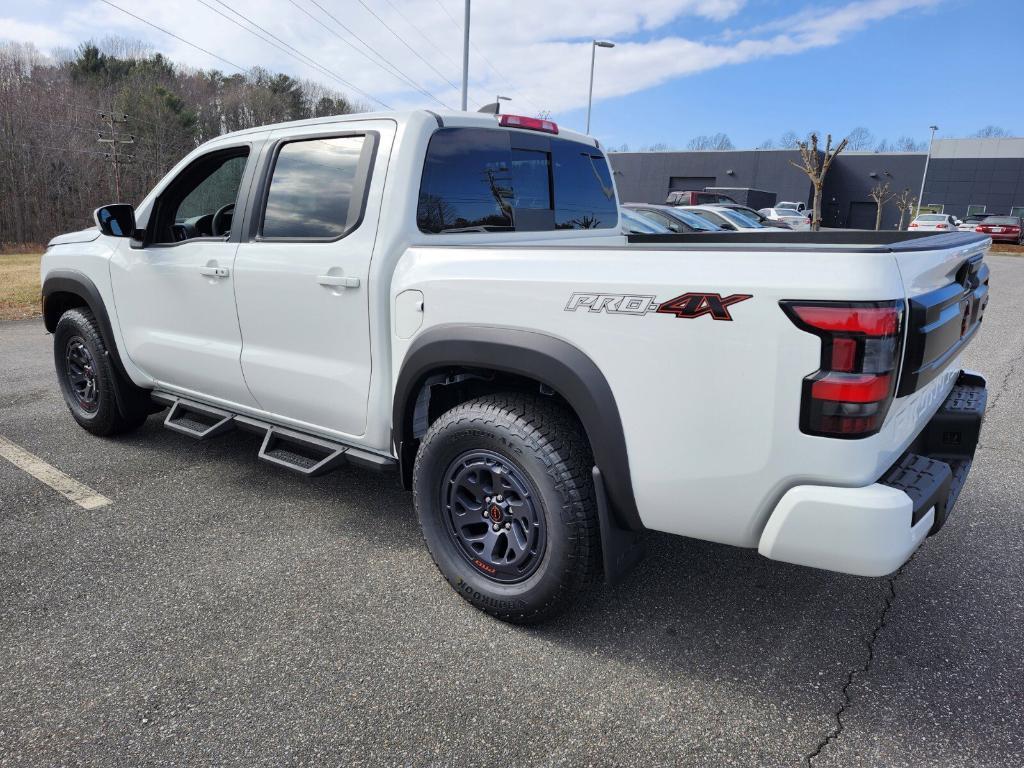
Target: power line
[(486, 61), (309, 60), (389, 68), (176, 37), (422, 34), (403, 42)]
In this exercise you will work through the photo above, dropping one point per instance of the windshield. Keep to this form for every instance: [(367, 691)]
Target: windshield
[(634, 222), (694, 220), (931, 217), (740, 220), (1002, 220)]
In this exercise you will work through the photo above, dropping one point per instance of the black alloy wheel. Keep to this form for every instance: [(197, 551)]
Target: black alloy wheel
[(491, 515), (80, 370)]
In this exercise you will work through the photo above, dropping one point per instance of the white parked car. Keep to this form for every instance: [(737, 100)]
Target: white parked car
[(939, 222), (792, 206), (795, 219), (358, 289), (635, 224), (730, 219)]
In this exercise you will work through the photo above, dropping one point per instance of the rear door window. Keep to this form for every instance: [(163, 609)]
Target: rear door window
[(312, 193), (491, 180)]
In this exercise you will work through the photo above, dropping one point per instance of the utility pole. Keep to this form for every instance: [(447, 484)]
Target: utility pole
[(927, 159), (115, 140), (595, 44), (465, 60)]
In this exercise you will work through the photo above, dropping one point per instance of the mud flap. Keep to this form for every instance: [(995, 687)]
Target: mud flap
[(621, 549)]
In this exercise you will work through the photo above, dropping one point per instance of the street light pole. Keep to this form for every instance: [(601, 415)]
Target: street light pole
[(927, 159), (465, 60), (594, 45)]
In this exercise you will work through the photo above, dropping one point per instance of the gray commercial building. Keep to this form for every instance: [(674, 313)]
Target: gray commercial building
[(964, 176)]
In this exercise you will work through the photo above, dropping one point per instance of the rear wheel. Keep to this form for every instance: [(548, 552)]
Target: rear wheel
[(89, 382), (504, 494)]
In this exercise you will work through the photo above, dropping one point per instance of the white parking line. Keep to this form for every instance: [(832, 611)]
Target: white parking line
[(82, 495)]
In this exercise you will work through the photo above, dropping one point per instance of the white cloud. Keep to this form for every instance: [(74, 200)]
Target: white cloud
[(541, 48), (44, 36)]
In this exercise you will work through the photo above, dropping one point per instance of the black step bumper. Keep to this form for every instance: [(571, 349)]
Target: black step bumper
[(934, 469)]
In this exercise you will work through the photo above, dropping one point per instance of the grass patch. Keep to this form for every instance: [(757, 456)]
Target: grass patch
[(19, 285), (1008, 248)]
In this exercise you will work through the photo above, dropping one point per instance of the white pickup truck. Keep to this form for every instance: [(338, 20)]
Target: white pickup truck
[(448, 296)]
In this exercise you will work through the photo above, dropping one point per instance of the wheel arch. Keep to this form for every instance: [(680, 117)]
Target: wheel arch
[(65, 289), (558, 366)]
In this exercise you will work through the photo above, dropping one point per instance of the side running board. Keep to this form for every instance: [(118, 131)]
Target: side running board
[(305, 454)]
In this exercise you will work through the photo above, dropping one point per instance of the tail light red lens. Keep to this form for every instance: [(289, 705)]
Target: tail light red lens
[(941, 226), (850, 394), (913, 225)]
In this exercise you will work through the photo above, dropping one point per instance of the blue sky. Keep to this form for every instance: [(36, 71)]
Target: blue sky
[(752, 69)]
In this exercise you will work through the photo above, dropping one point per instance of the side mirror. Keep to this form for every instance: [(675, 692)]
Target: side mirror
[(116, 220)]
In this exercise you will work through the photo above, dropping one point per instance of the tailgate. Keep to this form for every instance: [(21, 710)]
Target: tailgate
[(946, 282)]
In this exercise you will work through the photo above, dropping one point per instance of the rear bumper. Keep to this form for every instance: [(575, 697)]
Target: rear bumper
[(872, 531)]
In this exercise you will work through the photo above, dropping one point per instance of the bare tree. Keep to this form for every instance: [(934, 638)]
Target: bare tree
[(714, 141), (881, 195), (767, 144), (789, 140), (905, 201), (909, 144), (991, 132), (860, 139), (816, 166)]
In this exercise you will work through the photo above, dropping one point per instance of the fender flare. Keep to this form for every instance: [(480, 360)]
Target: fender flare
[(81, 285), (549, 360)]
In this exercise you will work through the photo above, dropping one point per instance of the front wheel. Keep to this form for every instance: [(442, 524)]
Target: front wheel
[(89, 382), (505, 498)]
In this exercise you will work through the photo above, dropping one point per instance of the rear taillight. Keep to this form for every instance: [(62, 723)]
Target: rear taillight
[(941, 226), (850, 394), (913, 225), (528, 123)]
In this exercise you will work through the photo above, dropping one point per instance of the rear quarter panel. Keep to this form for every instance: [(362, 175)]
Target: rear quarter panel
[(710, 408)]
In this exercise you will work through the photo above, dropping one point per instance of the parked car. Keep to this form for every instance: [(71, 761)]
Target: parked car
[(942, 222), (697, 198), (729, 219), (547, 391), (795, 219), (755, 215), (1003, 229), (673, 218), (792, 206), (971, 222), (635, 224)]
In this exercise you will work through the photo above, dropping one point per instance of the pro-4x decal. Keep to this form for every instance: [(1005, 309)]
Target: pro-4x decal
[(697, 304), (688, 305)]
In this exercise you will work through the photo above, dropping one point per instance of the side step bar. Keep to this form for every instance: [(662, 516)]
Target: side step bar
[(307, 455), (198, 420)]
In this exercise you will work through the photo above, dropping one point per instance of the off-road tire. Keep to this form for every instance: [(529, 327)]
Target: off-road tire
[(78, 326), (543, 443)]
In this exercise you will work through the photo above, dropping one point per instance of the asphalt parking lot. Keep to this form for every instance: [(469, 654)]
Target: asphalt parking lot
[(222, 612)]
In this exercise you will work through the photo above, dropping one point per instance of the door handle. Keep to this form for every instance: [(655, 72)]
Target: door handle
[(214, 271), (338, 281)]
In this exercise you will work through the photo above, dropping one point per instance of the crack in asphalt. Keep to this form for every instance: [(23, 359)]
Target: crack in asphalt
[(862, 671), (1004, 385)]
